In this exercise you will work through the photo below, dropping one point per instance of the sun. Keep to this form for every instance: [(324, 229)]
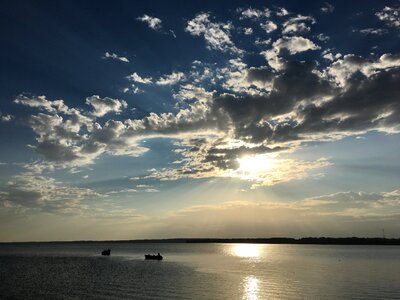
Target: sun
[(254, 167), (256, 163), (251, 164)]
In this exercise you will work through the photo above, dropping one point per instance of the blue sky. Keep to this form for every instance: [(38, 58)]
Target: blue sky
[(199, 119)]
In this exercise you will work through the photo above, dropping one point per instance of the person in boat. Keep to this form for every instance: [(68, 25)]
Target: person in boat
[(106, 252)]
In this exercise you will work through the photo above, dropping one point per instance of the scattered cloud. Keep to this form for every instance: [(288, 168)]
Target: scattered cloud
[(261, 42), (172, 33), (374, 31), (105, 105), (192, 92), (298, 25), (327, 8), (217, 35), (269, 26), (171, 79), (329, 55), (114, 56), (390, 16), (248, 31), (253, 13), (137, 78), (343, 69), (293, 45), (6, 118), (152, 22), (133, 89), (281, 12), (323, 37)]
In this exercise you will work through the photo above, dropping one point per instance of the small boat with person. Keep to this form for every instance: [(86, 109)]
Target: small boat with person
[(106, 252), (153, 257)]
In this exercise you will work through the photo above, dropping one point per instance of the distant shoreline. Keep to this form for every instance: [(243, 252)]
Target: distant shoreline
[(275, 240)]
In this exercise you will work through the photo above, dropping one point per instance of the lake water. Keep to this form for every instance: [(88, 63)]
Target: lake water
[(199, 271)]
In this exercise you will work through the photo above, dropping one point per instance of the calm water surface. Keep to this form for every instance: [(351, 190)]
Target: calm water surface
[(199, 271)]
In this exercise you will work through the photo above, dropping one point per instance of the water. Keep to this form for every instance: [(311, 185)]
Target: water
[(199, 271)]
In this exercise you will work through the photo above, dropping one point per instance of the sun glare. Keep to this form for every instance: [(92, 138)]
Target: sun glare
[(252, 163), (251, 167), (251, 289), (246, 250)]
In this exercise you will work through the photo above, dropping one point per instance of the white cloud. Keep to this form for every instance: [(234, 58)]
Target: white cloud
[(328, 56), (298, 25), (327, 8), (374, 31), (343, 69), (281, 12), (137, 78), (152, 22), (234, 77), (172, 33), (42, 103), (105, 105), (217, 35), (133, 89), (6, 118), (171, 79), (293, 45), (390, 15), (254, 14), (150, 190), (323, 37), (248, 31), (115, 57), (37, 167), (269, 26), (67, 138), (260, 42), (190, 91)]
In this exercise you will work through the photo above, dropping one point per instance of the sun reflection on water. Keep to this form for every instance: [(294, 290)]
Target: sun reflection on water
[(246, 250), (250, 287)]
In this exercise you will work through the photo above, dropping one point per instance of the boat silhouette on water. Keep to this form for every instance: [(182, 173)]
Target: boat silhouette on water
[(153, 257), (106, 252)]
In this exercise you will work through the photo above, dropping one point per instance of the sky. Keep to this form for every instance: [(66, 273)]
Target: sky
[(165, 119)]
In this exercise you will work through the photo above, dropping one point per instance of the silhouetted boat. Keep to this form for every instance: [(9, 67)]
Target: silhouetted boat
[(154, 257), (106, 252)]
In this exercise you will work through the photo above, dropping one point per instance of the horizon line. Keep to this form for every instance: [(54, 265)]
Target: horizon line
[(215, 240)]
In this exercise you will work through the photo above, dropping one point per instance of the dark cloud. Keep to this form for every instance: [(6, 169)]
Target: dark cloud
[(368, 103), (260, 74), (55, 151), (252, 116)]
